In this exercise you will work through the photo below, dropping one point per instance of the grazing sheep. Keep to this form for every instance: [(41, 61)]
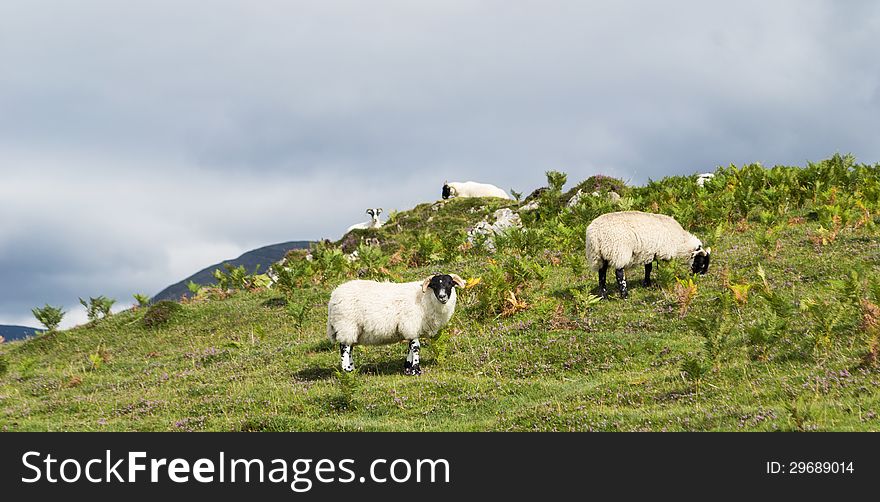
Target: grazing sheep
[(703, 178), (380, 313), (373, 222), (632, 237), (471, 189)]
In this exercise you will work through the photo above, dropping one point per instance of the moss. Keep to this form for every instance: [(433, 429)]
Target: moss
[(160, 313), (275, 302), (598, 183)]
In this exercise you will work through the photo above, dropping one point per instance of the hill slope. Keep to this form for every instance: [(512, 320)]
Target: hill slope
[(261, 257), (16, 332), (782, 334)]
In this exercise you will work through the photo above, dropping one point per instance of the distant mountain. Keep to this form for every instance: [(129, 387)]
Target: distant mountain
[(16, 332), (264, 257)]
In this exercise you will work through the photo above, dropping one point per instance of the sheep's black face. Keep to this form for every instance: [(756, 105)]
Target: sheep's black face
[(447, 192), (701, 264), (442, 286)]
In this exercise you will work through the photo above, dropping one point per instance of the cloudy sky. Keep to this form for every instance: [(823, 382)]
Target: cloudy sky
[(142, 141)]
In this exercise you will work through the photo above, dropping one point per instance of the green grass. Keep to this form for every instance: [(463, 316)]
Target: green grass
[(246, 363)]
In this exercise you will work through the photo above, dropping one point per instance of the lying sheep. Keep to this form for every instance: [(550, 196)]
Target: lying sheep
[(380, 313), (373, 222), (471, 189), (632, 237)]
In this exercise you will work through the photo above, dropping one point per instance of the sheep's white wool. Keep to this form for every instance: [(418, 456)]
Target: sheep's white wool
[(474, 189), (633, 237), (703, 178), (378, 313), (373, 222)]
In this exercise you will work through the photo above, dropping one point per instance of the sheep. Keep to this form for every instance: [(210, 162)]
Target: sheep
[(373, 222), (381, 313), (471, 189), (703, 178), (633, 237)]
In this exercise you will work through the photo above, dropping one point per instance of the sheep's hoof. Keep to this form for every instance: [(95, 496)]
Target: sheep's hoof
[(412, 370), (348, 369), (624, 295), (646, 284)]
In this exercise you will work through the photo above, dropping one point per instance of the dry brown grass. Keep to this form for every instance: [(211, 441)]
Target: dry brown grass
[(684, 291)]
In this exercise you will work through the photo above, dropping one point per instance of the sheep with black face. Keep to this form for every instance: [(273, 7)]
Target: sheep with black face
[(381, 313), (626, 238), (471, 189)]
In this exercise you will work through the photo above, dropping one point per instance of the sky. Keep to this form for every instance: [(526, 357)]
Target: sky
[(143, 141)]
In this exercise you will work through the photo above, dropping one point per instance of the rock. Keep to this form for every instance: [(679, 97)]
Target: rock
[(531, 206), (612, 196), (505, 219), (573, 201)]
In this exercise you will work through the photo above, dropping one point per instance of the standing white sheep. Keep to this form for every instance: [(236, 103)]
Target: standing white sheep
[(380, 313), (471, 189), (625, 238), (373, 222)]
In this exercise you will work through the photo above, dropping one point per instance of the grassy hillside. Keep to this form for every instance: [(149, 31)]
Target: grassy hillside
[(782, 334), (253, 261)]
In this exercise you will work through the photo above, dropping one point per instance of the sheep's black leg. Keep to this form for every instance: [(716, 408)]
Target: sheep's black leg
[(411, 366), (345, 354), (602, 273), (647, 282), (621, 281)]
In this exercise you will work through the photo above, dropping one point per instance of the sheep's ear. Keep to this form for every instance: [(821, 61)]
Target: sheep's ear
[(425, 283), (458, 280), (379, 211), (708, 251)]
